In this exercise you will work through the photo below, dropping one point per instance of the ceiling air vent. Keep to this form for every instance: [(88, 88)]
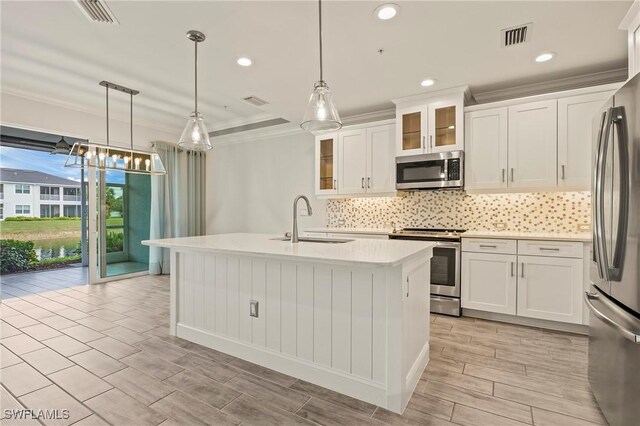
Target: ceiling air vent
[(255, 101), (97, 11), (515, 35)]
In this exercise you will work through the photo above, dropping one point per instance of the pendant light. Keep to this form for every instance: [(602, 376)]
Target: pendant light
[(107, 157), (321, 114), (62, 147), (195, 136)]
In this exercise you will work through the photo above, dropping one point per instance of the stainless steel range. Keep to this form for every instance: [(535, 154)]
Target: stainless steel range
[(445, 266)]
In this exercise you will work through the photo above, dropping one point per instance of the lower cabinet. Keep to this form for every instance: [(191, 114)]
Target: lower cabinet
[(489, 282), (550, 288), (542, 286)]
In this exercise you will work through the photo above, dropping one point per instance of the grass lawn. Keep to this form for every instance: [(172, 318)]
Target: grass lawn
[(48, 227)]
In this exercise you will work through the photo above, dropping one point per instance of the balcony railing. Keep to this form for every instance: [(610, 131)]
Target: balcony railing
[(66, 197), (50, 197)]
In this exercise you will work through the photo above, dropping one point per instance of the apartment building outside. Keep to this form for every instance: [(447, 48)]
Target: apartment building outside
[(37, 194)]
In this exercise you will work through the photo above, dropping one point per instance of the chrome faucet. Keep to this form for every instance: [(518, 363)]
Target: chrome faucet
[(294, 231)]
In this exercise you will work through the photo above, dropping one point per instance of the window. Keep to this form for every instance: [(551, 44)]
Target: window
[(1, 211), (71, 211), (23, 209), (47, 210), (23, 189)]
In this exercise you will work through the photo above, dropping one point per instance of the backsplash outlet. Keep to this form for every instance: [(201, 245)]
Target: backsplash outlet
[(525, 212)]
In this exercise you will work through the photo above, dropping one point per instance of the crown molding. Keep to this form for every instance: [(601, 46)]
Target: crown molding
[(427, 96), (562, 84), (257, 134), (368, 117)]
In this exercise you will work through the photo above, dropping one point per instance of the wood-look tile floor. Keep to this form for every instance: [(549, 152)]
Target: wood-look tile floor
[(103, 352)]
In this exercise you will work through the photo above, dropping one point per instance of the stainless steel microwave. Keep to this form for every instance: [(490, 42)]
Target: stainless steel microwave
[(430, 171)]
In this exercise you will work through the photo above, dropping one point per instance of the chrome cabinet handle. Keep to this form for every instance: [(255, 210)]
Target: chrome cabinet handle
[(431, 140), (362, 183), (512, 269), (549, 249), (368, 182), (407, 286), (423, 139), (335, 186), (522, 270), (512, 174), (628, 334), (502, 175), (562, 167), (487, 246)]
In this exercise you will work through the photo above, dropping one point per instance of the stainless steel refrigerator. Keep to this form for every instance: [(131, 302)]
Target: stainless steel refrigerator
[(614, 299)]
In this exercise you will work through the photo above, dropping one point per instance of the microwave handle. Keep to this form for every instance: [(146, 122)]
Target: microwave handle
[(446, 169)]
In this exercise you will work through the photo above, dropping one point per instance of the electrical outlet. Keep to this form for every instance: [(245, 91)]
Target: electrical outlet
[(253, 308), (500, 225), (584, 227)]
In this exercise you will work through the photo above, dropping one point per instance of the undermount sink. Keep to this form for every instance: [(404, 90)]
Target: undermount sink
[(315, 240)]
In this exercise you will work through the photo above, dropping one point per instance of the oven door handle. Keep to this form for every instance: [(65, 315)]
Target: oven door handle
[(441, 244)]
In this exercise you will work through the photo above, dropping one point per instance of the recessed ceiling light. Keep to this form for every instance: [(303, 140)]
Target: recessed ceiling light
[(544, 57), (244, 62), (428, 82), (386, 11)]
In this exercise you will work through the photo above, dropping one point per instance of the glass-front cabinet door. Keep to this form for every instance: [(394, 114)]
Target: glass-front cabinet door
[(411, 131), (327, 164), (445, 126)]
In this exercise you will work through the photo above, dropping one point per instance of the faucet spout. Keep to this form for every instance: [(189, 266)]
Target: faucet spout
[(294, 231)]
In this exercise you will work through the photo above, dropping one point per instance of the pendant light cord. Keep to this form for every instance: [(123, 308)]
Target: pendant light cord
[(107, 87), (131, 118), (196, 78), (320, 33)]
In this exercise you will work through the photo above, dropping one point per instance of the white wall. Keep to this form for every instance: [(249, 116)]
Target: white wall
[(49, 117), (252, 184)]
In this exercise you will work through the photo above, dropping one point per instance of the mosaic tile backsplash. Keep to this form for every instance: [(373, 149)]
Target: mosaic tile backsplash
[(525, 212)]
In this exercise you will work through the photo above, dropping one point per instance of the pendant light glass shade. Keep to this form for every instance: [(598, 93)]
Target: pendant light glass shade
[(105, 157), (195, 136), (321, 114)]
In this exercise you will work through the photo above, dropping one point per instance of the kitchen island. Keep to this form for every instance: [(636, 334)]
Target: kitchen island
[(352, 317)]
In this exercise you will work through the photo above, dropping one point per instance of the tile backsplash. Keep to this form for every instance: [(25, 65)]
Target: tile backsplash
[(526, 212)]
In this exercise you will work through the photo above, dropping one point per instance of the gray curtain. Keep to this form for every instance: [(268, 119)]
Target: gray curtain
[(177, 200)]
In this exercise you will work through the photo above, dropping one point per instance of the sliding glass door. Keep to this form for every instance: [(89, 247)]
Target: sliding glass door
[(121, 212)]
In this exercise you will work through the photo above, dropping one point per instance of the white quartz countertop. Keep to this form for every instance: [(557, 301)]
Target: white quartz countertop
[(373, 231), (370, 252), (515, 235)]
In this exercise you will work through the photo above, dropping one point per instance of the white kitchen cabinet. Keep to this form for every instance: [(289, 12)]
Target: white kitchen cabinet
[(550, 288), (445, 125), (358, 160), (486, 149), (431, 123), (489, 282), (631, 24), (411, 130), (381, 164), (326, 167), (575, 135), (352, 161), (533, 144)]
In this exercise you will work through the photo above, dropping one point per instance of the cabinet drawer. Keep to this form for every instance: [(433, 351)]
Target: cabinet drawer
[(486, 245), (550, 248)]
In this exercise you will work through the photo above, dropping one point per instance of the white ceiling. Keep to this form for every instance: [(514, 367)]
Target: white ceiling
[(51, 50)]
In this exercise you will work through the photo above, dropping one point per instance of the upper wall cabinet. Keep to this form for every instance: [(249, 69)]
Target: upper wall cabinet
[(631, 24), (326, 179), (575, 135), (358, 160), (518, 145), (486, 148), (429, 124), (533, 143)]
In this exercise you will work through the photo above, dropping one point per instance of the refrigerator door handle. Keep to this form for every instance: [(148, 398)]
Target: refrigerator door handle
[(628, 334), (600, 235), (619, 119), (594, 186)]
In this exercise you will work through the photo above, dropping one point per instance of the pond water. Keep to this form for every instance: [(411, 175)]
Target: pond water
[(56, 247)]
